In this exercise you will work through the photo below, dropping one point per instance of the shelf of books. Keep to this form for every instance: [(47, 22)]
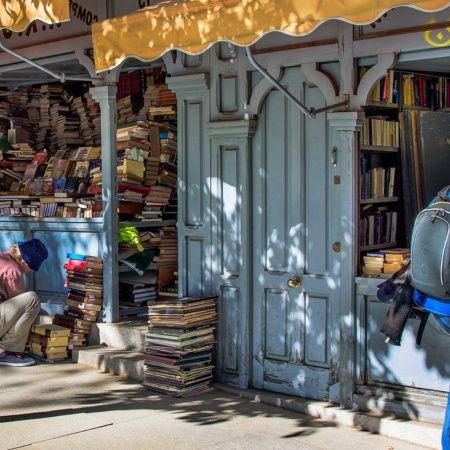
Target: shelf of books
[(51, 168), (147, 188), (406, 105), (50, 161), (379, 169), (143, 253)]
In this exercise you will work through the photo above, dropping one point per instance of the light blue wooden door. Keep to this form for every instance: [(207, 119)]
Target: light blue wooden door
[(296, 271)]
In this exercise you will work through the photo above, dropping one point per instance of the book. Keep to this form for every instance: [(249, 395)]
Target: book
[(92, 314), (61, 168), (58, 184), (82, 257), (50, 330), (95, 165), (71, 185), (48, 170), (48, 341), (49, 352), (84, 297), (40, 171), (86, 306), (47, 186), (72, 264), (81, 169), (39, 157), (87, 153), (30, 172), (72, 322), (134, 168), (80, 315)]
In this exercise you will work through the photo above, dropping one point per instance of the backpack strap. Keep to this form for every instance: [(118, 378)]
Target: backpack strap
[(422, 315), (443, 195)]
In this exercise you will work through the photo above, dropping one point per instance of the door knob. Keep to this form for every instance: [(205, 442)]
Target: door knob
[(294, 282)]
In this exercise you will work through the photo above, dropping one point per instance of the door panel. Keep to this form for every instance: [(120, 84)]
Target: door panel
[(293, 335)]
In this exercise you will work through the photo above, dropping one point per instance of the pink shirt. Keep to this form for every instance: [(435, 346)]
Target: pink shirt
[(11, 277)]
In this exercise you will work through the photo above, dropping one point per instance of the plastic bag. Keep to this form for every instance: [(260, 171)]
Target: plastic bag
[(130, 235)]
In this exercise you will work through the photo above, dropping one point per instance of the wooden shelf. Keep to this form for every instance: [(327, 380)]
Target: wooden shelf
[(366, 201), (378, 149), (153, 266), (148, 224), (382, 105), (376, 247)]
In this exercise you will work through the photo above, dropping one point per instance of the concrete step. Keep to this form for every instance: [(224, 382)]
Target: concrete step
[(129, 335), (124, 363), (419, 433)]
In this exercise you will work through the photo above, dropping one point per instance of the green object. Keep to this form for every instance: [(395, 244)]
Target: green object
[(143, 259), (130, 235)]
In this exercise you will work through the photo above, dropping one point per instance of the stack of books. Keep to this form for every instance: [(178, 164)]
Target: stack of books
[(125, 112), (134, 297), (384, 264), (394, 259), (168, 174), (151, 170), (158, 196), (373, 265), (84, 283), (179, 345), (168, 248), (49, 341), (169, 143), (136, 291)]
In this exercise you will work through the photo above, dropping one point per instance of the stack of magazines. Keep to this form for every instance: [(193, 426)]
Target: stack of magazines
[(179, 345)]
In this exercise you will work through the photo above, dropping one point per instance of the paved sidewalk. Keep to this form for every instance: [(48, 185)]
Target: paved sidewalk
[(66, 405)]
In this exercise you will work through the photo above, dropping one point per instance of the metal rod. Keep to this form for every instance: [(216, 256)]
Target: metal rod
[(61, 77), (32, 63), (327, 108), (267, 75)]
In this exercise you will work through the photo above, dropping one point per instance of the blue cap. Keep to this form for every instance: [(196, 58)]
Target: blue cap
[(33, 253)]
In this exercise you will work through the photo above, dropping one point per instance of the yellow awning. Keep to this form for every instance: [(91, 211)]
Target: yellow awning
[(16, 15), (194, 25)]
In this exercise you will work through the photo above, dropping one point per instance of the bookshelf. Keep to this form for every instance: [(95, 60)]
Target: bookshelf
[(58, 136), (379, 203), (406, 117), (142, 270)]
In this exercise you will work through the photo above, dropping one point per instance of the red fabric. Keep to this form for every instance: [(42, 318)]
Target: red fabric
[(11, 277)]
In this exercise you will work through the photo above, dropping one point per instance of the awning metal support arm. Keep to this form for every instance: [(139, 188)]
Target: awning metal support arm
[(311, 113), (61, 77)]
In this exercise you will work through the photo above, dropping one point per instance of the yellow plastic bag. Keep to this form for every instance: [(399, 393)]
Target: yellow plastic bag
[(130, 235)]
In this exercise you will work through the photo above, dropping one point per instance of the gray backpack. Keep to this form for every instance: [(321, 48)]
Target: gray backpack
[(430, 248)]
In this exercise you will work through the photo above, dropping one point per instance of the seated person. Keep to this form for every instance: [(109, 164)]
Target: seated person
[(18, 308)]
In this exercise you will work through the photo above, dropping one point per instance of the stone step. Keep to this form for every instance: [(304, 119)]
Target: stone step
[(118, 361), (128, 335), (419, 433)]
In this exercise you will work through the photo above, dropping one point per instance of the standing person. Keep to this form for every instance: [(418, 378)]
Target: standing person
[(18, 308)]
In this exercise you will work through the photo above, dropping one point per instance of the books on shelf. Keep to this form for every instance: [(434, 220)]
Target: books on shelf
[(384, 263), (377, 182), (379, 227), (380, 132)]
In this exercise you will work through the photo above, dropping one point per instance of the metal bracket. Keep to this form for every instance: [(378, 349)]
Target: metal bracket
[(59, 76), (312, 112)]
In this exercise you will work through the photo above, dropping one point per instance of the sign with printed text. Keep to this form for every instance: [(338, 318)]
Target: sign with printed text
[(121, 8), (83, 13)]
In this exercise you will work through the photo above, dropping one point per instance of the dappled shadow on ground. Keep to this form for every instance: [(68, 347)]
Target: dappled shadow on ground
[(68, 392)]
